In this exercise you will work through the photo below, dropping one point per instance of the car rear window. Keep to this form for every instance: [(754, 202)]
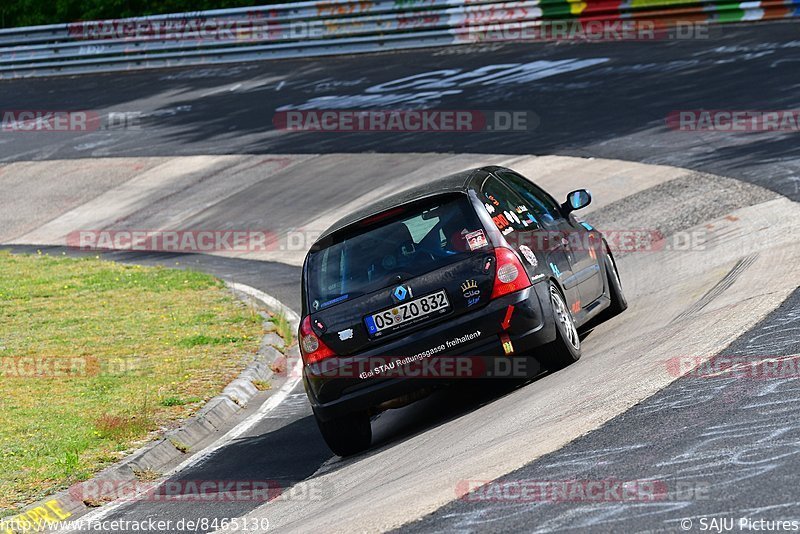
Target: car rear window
[(419, 239)]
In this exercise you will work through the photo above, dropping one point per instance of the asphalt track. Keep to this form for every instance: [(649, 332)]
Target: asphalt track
[(738, 437), (729, 449), (614, 108)]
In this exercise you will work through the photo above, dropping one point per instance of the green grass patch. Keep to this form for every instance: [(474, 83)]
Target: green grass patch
[(202, 339), (282, 327), (96, 356)]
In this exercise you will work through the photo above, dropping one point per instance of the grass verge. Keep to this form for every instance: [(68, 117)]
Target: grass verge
[(283, 328), (96, 356)]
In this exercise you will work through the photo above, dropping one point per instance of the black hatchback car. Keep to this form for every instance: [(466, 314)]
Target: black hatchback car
[(460, 278)]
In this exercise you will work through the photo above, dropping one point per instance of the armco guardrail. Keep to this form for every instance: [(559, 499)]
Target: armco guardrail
[(308, 29)]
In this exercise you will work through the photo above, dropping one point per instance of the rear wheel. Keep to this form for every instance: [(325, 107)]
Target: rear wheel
[(346, 435), (566, 349)]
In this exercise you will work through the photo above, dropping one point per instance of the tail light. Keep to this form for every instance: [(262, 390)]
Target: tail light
[(312, 347), (510, 275)]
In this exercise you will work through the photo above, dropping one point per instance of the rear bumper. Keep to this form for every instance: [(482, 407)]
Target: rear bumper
[(469, 346)]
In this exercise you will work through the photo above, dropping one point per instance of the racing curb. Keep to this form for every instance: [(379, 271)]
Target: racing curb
[(148, 463)]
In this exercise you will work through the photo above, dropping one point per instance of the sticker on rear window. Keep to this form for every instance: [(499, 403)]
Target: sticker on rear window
[(476, 240), (337, 300)]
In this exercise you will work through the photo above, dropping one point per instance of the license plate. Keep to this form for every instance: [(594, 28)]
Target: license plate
[(406, 313)]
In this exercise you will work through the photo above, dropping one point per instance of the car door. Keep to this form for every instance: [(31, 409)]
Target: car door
[(578, 243), (517, 220)]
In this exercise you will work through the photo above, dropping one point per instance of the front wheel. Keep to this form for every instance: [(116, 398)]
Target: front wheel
[(618, 301), (566, 349), (348, 434)]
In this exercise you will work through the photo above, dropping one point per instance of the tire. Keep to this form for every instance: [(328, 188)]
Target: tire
[(346, 435), (566, 349), (618, 301)]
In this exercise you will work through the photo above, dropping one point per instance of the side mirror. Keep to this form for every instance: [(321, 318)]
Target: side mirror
[(576, 200)]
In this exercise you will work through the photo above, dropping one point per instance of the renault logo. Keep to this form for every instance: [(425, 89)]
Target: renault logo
[(401, 293)]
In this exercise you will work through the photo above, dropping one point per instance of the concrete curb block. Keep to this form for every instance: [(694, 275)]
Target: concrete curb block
[(218, 410), (145, 466), (240, 391), (272, 339)]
